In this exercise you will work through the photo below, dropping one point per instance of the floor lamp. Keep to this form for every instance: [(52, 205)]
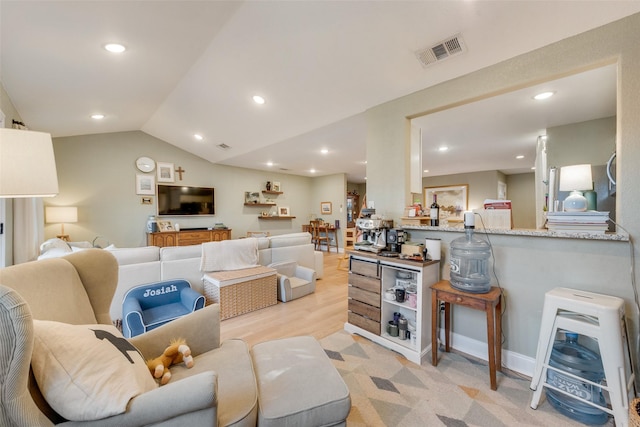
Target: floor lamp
[(27, 164)]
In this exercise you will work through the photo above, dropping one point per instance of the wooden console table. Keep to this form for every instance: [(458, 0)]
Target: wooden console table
[(490, 302), (187, 237)]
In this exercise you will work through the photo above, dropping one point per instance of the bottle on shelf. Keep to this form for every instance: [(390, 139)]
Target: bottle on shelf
[(434, 212), (268, 185), (469, 260)]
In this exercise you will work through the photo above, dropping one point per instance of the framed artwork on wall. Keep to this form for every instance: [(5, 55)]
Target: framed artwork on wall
[(452, 199), (166, 172), (275, 186), (283, 211), (325, 208), (251, 197), (145, 185)]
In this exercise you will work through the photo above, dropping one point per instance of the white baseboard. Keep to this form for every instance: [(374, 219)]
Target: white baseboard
[(516, 362)]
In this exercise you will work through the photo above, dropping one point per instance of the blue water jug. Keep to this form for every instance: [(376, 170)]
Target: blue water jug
[(570, 356)]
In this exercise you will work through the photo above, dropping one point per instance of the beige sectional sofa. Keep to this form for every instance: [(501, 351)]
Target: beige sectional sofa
[(151, 264), (228, 386)]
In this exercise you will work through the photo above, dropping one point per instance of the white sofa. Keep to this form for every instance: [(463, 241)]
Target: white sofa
[(151, 264)]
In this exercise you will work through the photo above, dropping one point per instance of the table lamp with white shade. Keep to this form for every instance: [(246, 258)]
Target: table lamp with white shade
[(63, 215), (576, 179)]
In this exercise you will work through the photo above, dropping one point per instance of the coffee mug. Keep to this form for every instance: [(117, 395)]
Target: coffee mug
[(400, 295), (392, 329), (412, 299)]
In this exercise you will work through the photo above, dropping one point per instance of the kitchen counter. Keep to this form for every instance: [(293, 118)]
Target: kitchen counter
[(395, 260)]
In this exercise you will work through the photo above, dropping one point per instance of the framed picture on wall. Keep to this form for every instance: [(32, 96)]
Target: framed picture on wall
[(325, 208), (283, 211), (145, 185), (275, 186), (166, 172), (452, 199)]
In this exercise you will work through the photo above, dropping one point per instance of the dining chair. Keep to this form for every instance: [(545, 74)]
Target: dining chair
[(316, 237)]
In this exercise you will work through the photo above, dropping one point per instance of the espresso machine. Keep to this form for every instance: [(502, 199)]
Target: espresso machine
[(373, 232)]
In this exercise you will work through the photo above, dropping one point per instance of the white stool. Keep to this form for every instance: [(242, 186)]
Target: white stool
[(597, 316)]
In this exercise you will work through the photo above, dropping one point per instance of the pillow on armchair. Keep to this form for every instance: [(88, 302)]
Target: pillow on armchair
[(87, 372)]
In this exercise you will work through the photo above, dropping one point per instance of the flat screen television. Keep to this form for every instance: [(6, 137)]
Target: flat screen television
[(178, 200)]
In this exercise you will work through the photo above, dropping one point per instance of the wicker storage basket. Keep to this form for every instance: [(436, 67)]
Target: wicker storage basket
[(241, 291), (634, 413)]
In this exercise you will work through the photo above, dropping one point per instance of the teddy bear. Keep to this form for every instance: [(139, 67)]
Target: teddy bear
[(177, 352)]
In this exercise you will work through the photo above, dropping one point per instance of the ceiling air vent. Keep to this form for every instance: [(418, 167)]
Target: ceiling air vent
[(441, 51), (223, 146)]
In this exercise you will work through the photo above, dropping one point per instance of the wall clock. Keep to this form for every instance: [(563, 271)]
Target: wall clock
[(145, 164)]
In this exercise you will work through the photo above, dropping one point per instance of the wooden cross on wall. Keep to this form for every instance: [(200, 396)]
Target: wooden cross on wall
[(180, 171)]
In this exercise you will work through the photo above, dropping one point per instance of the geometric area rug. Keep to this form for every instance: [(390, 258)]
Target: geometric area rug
[(388, 390)]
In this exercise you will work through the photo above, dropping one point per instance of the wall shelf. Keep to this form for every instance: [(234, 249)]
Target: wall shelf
[(271, 192), (260, 204), (276, 217)]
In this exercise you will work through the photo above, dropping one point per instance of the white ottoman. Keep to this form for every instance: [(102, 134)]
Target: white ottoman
[(298, 385)]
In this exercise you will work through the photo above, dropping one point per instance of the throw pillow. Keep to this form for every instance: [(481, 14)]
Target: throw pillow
[(87, 372)]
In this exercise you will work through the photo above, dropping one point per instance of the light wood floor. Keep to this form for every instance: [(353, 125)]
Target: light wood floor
[(319, 314)]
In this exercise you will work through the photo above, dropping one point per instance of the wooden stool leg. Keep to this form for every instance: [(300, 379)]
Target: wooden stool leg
[(434, 329), (491, 345), (447, 326), (498, 311)]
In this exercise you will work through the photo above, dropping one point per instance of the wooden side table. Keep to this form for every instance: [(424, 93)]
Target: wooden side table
[(490, 302)]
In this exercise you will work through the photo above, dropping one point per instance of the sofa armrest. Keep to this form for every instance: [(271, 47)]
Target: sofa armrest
[(164, 403), (191, 299), (319, 264), (305, 273), (132, 322), (200, 329)]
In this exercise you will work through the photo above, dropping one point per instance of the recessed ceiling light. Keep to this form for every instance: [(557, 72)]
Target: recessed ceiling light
[(97, 116), (258, 99), (115, 47), (324, 151), (520, 157), (269, 163), (543, 95), (426, 171), (312, 170), (198, 136), (443, 148)]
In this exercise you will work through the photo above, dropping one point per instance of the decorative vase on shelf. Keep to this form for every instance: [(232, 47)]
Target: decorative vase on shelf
[(268, 185)]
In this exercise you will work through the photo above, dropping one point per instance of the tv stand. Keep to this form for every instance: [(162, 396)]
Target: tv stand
[(186, 237)]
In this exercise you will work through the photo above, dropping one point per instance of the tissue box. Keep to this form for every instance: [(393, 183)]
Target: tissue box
[(412, 248)]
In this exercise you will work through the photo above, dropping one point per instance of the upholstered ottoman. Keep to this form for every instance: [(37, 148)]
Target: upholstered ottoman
[(298, 385)]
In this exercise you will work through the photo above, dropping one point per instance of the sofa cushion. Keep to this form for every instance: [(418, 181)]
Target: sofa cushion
[(87, 372), (291, 239), (126, 256), (172, 253), (237, 389)]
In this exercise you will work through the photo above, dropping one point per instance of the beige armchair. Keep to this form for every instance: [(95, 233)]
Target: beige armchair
[(294, 281), (219, 390)]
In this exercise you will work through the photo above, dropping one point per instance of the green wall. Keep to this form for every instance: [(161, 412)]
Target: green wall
[(97, 173)]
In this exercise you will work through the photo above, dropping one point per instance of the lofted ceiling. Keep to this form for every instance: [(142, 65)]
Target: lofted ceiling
[(193, 66)]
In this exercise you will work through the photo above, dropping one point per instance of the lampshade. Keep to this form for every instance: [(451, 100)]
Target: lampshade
[(576, 179), (61, 214), (27, 164)]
